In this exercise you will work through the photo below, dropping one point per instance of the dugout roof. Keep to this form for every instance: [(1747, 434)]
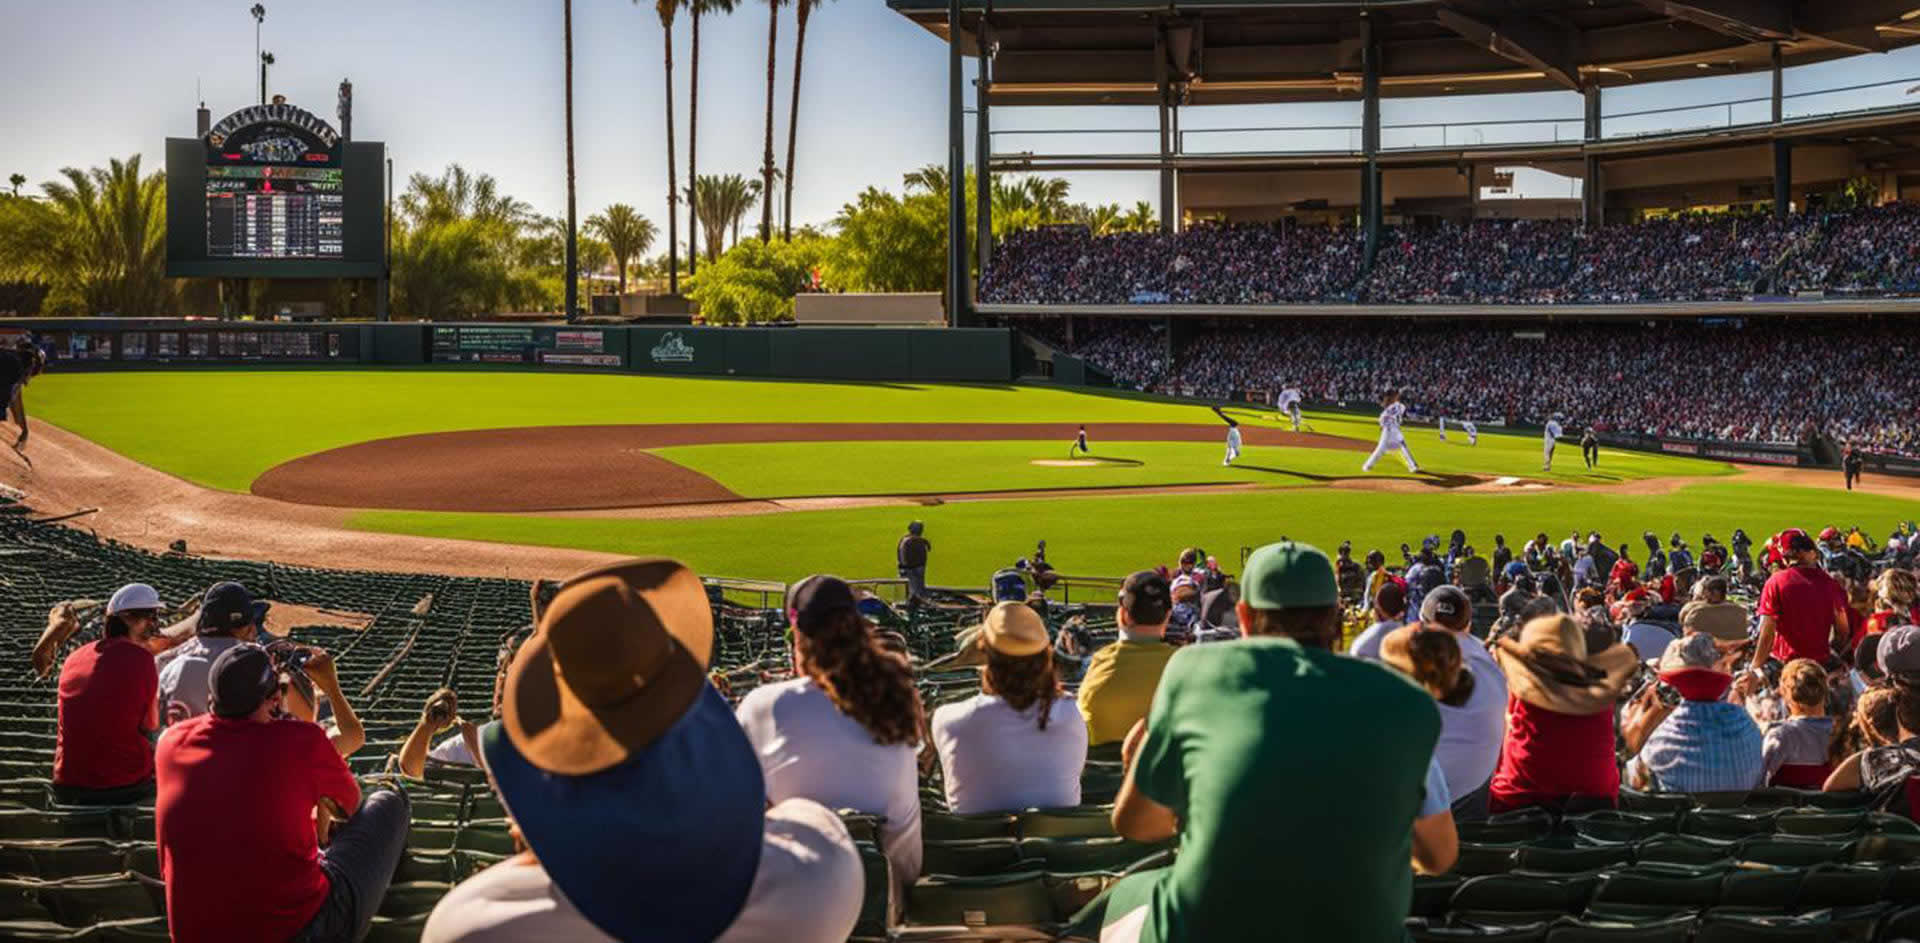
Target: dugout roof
[(1085, 52)]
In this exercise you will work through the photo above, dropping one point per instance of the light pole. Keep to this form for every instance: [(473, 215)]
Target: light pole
[(259, 12), (266, 59)]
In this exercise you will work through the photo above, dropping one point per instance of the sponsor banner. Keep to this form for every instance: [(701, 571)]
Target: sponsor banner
[(581, 360), (591, 341), (1679, 448), (1736, 451)]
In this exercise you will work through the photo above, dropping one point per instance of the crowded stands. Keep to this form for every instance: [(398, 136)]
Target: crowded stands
[(1742, 381), (1677, 258), (1577, 738)]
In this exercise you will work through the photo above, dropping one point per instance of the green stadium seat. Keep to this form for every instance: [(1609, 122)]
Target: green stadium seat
[(16, 824), (466, 864), (876, 901), (1843, 885), (490, 837), (1727, 824), (1903, 884), (1614, 825), (945, 826), (1683, 849), (1433, 894), (1423, 930), (397, 929), (483, 804), (1788, 850), (20, 900), (1732, 927), (437, 808), (450, 773), (69, 858), (1476, 859), (430, 837), (147, 930), (1887, 849), (1559, 893), (29, 793), (1720, 800), (1071, 892), (412, 897), (1673, 803), (1081, 822), (1016, 899), (1760, 887), (83, 902), (1663, 885), (1677, 929), (133, 823), (1076, 855), (1508, 827), (972, 857), (34, 931), (1554, 859), (1903, 924), (424, 866), (143, 858), (1783, 797)]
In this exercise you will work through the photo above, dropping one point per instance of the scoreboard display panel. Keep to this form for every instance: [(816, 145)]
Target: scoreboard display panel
[(272, 191)]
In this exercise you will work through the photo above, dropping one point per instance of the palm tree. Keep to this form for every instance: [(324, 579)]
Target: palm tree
[(698, 7), (573, 248), (627, 235), (801, 10), (1142, 218), (930, 177), (18, 180), (666, 9), (98, 241), (766, 164), (720, 202)]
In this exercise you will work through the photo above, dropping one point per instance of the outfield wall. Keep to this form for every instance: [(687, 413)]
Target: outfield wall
[(811, 353)]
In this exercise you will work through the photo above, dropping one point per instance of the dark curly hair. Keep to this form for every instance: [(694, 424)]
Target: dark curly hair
[(1023, 681), (864, 680)]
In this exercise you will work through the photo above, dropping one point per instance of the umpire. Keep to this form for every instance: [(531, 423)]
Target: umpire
[(1850, 465), (1590, 449)]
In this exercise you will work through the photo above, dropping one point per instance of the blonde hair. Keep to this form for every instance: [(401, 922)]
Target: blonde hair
[(1896, 589)]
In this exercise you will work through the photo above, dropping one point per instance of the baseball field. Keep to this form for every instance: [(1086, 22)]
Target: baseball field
[(777, 479)]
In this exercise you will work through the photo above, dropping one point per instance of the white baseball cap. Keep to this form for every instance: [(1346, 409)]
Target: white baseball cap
[(133, 596)]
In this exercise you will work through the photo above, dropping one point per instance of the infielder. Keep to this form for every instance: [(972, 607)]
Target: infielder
[(1233, 437), (1551, 437), (1289, 402), (1079, 444), (1391, 411), (1473, 432)]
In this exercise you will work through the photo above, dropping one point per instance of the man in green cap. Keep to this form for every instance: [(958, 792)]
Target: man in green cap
[(1292, 776)]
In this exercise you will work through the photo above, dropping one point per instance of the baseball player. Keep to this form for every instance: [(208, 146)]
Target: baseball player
[(1590, 449), (1443, 428), (1473, 432), (1551, 438), (1079, 444), (1289, 402), (1391, 411), (17, 368), (1233, 437)]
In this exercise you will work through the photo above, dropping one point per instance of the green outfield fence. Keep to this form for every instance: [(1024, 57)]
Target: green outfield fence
[(811, 353)]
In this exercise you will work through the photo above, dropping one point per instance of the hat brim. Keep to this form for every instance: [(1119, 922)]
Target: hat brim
[(560, 733), (1525, 680)]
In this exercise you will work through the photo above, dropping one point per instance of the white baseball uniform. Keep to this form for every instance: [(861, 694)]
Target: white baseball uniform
[(1233, 445), (1443, 428), (1473, 432), (1289, 403), (1552, 436), (1391, 439)]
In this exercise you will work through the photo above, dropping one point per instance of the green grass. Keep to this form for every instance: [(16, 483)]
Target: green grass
[(1110, 536), (222, 428)]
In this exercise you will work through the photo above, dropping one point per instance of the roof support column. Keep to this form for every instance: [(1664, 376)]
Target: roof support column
[(1782, 148), (1592, 189), (983, 146), (1164, 102), (1370, 199), (959, 313)]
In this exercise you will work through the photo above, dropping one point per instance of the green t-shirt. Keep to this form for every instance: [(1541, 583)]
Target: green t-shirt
[(1119, 686), (1296, 775)]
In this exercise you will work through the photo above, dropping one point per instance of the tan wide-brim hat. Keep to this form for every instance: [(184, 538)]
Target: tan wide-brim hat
[(618, 657), (1549, 666)]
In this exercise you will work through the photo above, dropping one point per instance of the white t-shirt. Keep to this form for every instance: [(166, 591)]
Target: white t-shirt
[(808, 889), (1289, 398), (1471, 734), (1390, 422), (453, 747), (809, 750), (1553, 431), (997, 760)]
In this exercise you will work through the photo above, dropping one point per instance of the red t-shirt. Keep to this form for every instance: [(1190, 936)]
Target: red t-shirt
[(234, 824), (107, 695), (1802, 600), (1549, 756)]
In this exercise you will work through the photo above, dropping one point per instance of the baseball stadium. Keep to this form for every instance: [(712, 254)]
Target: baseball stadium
[(1472, 497)]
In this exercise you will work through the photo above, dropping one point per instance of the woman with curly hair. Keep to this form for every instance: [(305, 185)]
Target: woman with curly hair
[(1894, 595), (1020, 743), (844, 731)]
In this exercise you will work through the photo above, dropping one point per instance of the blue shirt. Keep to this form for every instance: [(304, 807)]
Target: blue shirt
[(1704, 746)]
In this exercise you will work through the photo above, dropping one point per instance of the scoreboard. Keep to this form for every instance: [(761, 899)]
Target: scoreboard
[(273, 191)]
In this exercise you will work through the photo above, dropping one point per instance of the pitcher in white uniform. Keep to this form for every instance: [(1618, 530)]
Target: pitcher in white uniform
[(1391, 410), (1289, 403), (1233, 436), (1552, 436)]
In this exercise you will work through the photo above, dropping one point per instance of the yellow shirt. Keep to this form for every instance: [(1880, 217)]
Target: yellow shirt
[(1119, 686)]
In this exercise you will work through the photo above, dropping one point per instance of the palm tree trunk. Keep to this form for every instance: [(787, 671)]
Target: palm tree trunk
[(693, 150), (623, 276), (573, 249), (673, 191), (766, 164), (800, 8)]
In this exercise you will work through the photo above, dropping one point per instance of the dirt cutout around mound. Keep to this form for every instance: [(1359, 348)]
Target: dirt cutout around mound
[(579, 468)]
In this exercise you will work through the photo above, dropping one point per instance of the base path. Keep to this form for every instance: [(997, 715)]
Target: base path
[(578, 468)]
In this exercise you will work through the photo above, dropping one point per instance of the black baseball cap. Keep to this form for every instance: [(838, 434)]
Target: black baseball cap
[(1147, 598), (240, 680), (229, 606), (811, 600)]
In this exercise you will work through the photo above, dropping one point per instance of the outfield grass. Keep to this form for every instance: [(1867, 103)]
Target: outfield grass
[(222, 428), (796, 469), (1109, 536)]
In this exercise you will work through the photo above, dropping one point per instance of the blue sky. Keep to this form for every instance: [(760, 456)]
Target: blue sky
[(479, 82)]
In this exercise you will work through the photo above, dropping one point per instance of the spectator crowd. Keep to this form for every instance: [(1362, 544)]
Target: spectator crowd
[(1754, 381), (1677, 258)]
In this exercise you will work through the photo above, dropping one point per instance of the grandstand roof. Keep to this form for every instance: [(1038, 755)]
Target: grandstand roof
[(1085, 52)]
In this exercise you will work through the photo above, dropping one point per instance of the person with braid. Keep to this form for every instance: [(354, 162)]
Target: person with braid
[(1021, 742), (845, 731)]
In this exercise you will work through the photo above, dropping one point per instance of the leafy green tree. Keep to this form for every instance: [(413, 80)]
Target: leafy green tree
[(755, 281), (18, 180), (97, 239), (628, 235)]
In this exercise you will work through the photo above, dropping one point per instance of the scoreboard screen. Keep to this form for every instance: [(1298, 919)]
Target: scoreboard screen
[(272, 212)]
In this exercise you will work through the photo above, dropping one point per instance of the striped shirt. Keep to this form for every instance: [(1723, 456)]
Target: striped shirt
[(1704, 746)]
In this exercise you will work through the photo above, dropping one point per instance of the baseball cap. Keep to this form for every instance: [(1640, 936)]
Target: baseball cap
[(1793, 540), (811, 600), (240, 680), (1146, 597), (229, 606), (1900, 650), (1447, 605), (1866, 657), (1289, 575), (131, 597), (1013, 628)]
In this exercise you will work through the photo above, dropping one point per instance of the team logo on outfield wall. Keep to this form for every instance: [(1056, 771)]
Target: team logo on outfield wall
[(672, 349)]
